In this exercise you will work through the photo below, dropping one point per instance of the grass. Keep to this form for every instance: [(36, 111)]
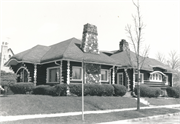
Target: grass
[(39, 104), (43, 104), (163, 101), (96, 118)]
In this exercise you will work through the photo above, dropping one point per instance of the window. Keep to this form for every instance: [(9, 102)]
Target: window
[(53, 75), (155, 77), (141, 77), (104, 75), (76, 73), (120, 78)]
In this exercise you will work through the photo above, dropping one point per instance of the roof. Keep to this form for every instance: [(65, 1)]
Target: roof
[(66, 50), (128, 59)]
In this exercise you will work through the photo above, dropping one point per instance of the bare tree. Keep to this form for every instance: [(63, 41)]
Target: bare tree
[(173, 61), (135, 35), (161, 57)]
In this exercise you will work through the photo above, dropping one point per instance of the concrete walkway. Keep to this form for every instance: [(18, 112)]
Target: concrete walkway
[(22, 117)]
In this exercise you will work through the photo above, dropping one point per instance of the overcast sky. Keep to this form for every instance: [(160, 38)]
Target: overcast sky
[(26, 23)]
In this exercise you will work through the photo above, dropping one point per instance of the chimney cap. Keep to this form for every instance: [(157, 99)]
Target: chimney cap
[(89, 28)]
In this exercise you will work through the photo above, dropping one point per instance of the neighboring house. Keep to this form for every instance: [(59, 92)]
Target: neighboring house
[(5, 55), (63, 63)]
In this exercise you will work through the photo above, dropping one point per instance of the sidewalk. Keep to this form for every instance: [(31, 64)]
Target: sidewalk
[(22, 117)]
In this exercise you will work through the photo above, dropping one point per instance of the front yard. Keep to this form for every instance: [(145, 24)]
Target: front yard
[(43, 104)]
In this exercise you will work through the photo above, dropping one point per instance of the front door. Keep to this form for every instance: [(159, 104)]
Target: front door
[(120, 78), (23, 75)]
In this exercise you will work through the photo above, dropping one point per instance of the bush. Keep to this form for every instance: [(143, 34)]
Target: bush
[(44, 90), (98, 90), (119, 90), (92, 89), (76, 89), (8, 77), (146, 91), (6, 87), (60, 89), (22, 88), (173, 92)]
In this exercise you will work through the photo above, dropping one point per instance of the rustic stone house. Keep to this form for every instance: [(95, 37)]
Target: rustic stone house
[(62, 63)]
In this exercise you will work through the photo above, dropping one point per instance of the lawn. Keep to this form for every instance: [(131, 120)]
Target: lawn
[(163, 101), (96, 118), (43, 104), (39, 104)]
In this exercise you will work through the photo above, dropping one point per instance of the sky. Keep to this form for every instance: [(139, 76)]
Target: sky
[(27, 23)]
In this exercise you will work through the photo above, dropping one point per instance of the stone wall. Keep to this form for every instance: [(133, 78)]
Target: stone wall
[(93, 73)]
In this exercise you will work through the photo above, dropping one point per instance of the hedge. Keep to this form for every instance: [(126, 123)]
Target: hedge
[(22, 87), (57, 90), (76, 89), (44, 90), (92, 89), (119, 90), (146, 91), (98, 90), (173, 92), (61, 89)]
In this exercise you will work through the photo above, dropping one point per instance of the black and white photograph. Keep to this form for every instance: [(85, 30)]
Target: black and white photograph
[(90, 62)]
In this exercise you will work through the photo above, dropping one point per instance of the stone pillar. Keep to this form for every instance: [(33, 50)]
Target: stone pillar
[(68, 72), (134, 78), (113, 76), (35, 74), (60, 72), (89, 39), (127, 76)]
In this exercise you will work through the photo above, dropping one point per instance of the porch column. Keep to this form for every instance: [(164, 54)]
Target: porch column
[(172, 80), (134, 78), (100, 75), (113, 76), (60, 73), (68, 72), (35, 74), (127, 76)]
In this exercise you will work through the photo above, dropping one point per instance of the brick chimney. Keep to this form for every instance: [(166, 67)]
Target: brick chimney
[(89, 39), (123, 45)]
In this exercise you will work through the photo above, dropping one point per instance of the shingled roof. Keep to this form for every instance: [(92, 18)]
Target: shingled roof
[(66, 50), (128, 59)]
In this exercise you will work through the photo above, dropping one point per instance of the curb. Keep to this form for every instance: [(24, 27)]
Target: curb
[(140, 119)]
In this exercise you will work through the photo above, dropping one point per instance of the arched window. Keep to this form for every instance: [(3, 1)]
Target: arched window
[(156, 77)]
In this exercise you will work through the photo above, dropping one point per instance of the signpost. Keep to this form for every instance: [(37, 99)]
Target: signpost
[(83, 68)]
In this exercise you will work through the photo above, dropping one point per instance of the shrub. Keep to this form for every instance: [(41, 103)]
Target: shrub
[(108, 90), (91, 90), (60, 89), (146, 91), (76, 89), (119, 90), (44, 90), (98, 90), (173, 92), (22, 88), (8, 77)]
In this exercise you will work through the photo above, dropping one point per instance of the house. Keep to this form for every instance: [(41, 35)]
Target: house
[(5, 55), (63, 63)]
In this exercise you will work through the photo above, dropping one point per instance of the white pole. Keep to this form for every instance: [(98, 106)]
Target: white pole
[(83, 90)]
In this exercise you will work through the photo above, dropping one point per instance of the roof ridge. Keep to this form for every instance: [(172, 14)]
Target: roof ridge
[(68, 46)]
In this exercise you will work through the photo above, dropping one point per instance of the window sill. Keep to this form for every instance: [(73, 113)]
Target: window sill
[(76, 80)]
